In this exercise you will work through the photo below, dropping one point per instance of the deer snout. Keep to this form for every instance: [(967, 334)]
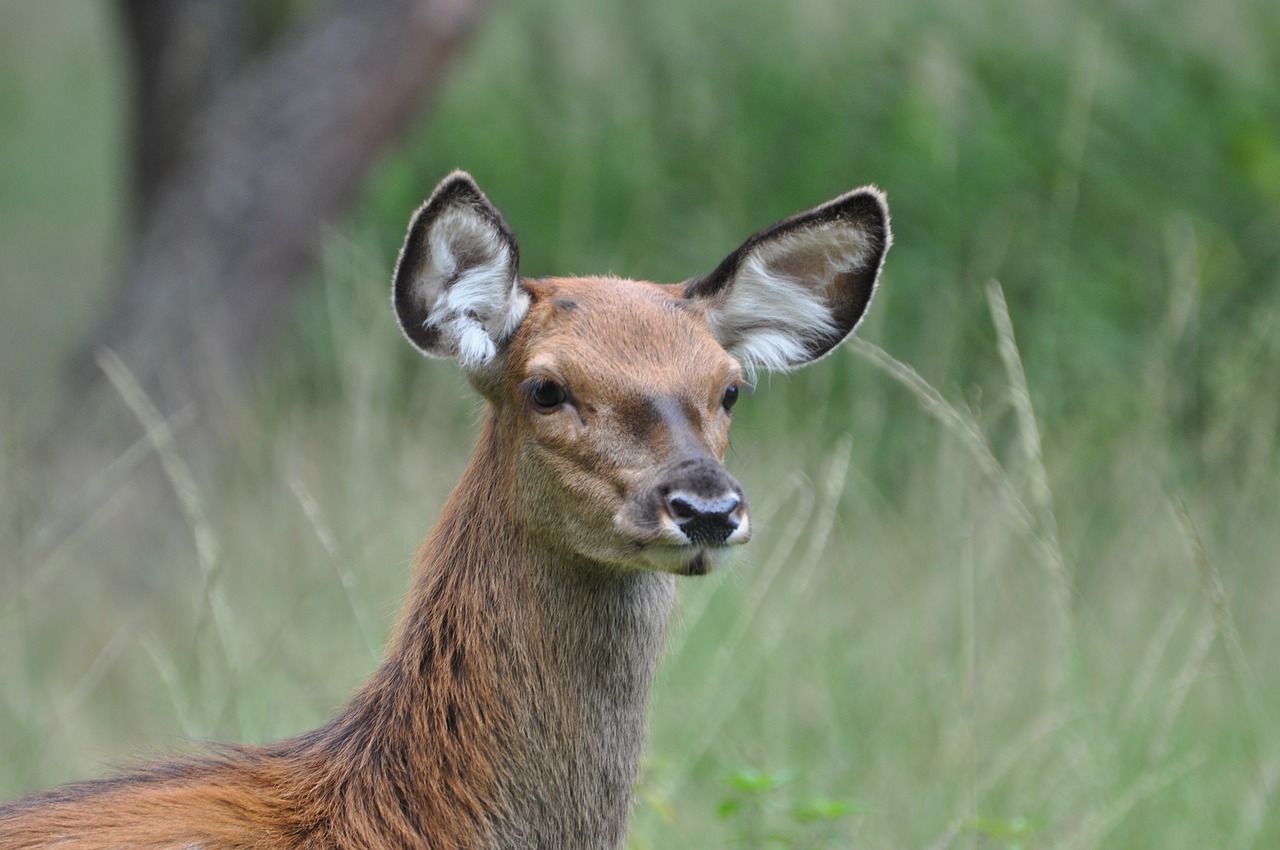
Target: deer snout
[(705, 520), (701, 500), (685, 514)]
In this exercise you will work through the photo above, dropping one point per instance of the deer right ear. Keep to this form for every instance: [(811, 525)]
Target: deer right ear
[(456, 289), (796, 290)]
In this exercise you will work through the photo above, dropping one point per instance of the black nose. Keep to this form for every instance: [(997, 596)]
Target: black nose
[(704, 520)]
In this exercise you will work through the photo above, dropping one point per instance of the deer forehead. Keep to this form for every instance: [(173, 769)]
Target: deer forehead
[(613, 334)]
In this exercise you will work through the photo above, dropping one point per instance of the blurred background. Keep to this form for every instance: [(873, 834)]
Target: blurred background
[(1018, 562)]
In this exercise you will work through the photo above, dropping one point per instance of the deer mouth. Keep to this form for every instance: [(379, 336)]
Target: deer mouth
[(682, 558), (699, 566)]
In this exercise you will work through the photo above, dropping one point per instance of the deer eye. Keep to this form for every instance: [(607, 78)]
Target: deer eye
[(730, 397), (547, 395)]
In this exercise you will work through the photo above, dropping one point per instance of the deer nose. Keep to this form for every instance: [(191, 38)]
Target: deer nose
[(704, 520)]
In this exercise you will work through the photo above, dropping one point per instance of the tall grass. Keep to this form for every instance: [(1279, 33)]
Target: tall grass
[(1015, 576), (907, 658)]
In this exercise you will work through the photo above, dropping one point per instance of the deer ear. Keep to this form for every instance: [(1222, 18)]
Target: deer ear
[(456, 289), (796, 290)]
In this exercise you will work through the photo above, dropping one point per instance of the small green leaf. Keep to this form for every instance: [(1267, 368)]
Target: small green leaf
[(729, 808), (822, 808), (752, 781)]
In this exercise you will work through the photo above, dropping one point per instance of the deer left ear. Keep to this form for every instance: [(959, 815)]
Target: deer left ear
[(796, 290), (456, 289)]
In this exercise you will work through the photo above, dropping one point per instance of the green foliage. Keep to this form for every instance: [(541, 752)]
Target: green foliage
[(1013, 583), (766, 821)]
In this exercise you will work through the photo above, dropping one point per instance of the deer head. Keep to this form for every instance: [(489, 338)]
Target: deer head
[(614, 397)]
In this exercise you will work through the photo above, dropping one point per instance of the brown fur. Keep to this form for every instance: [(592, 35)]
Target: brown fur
[(509, 712)]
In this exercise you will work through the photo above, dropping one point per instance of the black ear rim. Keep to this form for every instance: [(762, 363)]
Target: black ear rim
[(456, 189)]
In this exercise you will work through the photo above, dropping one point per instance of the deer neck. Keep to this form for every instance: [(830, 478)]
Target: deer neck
[(515, 690)]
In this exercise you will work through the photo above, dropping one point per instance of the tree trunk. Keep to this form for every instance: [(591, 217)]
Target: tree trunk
[(180, 52), (230, 212)]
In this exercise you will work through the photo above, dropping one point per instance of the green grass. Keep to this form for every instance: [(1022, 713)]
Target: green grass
[(1015, 576)]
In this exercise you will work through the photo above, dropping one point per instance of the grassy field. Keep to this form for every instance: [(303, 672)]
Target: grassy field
[(1017, 569)]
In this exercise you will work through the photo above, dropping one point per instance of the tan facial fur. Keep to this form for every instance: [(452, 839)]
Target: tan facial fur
[(651, 398)]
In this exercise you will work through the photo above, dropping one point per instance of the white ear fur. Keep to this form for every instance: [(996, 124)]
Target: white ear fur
[(793, 292), (457, 289), (470, 295)]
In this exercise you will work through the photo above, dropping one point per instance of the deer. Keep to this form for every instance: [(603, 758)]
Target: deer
[(510, 708)]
